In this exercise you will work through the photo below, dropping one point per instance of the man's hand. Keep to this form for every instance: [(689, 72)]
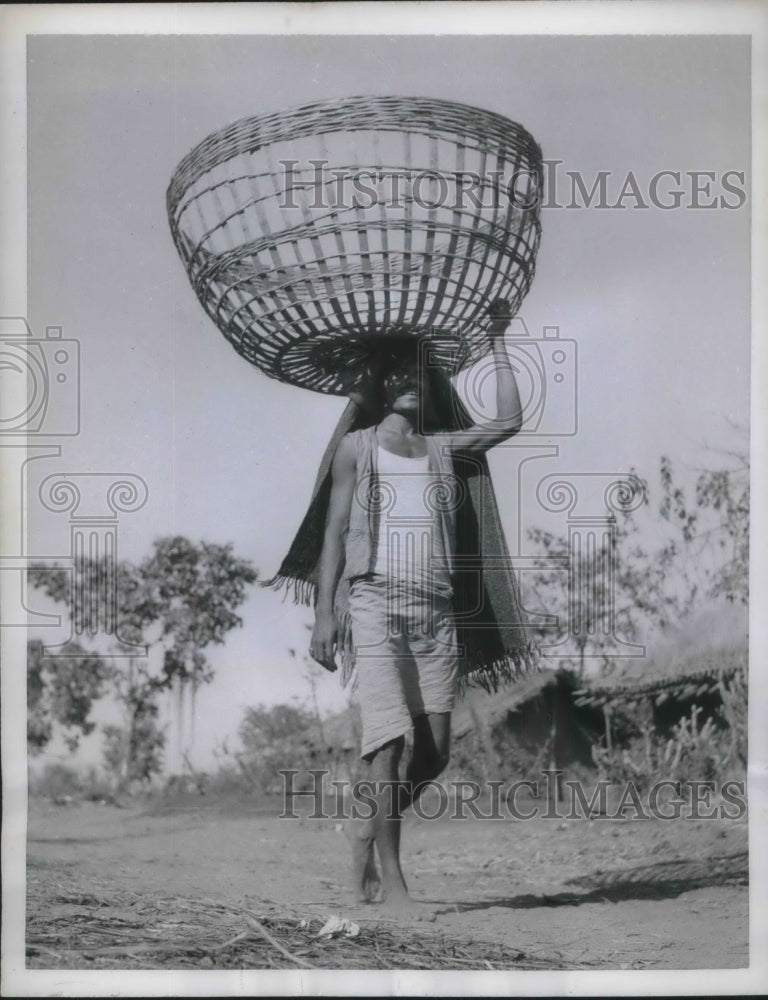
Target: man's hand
[(500, 314), (343, 477), (324, 635), (509, 411)]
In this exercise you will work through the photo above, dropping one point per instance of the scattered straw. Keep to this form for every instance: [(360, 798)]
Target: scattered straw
[(276, 944), (125, 931)]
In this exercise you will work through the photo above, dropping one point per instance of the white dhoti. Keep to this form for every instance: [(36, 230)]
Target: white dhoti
[(406, 656)]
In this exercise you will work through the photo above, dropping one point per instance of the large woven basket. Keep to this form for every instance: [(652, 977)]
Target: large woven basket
[(312, 234)]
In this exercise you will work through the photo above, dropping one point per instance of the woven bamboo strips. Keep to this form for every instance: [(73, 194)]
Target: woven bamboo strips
[(301, 274)]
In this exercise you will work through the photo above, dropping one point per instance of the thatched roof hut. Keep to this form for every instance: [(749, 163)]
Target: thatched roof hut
[(665, 691), (689, 668), (536, 718), (681, 677), (495, 708)]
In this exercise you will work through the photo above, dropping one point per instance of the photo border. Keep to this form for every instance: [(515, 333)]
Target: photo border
[(512, 18)]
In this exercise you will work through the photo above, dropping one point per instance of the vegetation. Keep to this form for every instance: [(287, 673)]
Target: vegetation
[(180, 600), (704, 554), (275, 738), (61, 691), (698, 749), (184, 598)]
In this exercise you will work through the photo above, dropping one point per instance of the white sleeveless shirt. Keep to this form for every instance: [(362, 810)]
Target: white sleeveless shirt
[(410, 546)]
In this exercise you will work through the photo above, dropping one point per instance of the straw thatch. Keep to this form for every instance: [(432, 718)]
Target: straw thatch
[(681, 677), (494, 709)]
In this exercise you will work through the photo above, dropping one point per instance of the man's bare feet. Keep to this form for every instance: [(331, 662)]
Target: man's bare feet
[(364, 873), (402, 907)]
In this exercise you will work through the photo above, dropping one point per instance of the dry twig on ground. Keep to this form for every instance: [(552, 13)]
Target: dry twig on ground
[(184, 933)]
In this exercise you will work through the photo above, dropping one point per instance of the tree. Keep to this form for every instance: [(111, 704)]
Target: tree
[(715, 526), (704, 554), (61, 691), (608, 597), (275, 738), (192, 592), (179, 600), (135, 755)]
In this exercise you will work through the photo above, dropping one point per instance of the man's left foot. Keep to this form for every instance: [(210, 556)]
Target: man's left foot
[(402, 907), (365, 876)]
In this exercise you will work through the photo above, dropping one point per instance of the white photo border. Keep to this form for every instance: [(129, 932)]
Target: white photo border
[(497, 18)]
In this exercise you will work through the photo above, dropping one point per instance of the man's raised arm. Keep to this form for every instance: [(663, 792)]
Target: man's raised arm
[(509, 411), (325, 632)]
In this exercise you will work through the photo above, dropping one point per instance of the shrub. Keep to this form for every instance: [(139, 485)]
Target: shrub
[(694, 752), (272, 739), (55, 782)]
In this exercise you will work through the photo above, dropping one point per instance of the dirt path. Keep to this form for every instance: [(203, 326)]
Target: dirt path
[(607, 894)]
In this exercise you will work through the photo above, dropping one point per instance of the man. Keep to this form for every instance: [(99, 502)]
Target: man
[(390, 539)]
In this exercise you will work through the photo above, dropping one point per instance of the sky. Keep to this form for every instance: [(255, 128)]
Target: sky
[(657, 302)]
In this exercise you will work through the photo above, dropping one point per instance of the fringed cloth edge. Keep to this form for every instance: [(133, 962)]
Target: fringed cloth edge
[(304, 591)]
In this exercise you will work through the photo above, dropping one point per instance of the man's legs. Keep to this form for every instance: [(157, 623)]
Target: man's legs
[(391, 798), (431, 735), (431, 739), (390, 692), (432, 644), (382, 772), (385, 716), (365, 877)]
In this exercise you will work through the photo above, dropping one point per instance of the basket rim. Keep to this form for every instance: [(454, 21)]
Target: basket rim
[(333, 115)]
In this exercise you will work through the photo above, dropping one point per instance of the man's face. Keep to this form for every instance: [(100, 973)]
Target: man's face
[(405, 386)]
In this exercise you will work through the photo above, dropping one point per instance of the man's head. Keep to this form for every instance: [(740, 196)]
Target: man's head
[(394, 378), (405, 386), (399, 378)]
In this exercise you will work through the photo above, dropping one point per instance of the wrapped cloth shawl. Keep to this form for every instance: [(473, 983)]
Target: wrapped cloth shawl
[(491, 624)]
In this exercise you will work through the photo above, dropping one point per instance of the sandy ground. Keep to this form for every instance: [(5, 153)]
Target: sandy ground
[(602, 893)]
